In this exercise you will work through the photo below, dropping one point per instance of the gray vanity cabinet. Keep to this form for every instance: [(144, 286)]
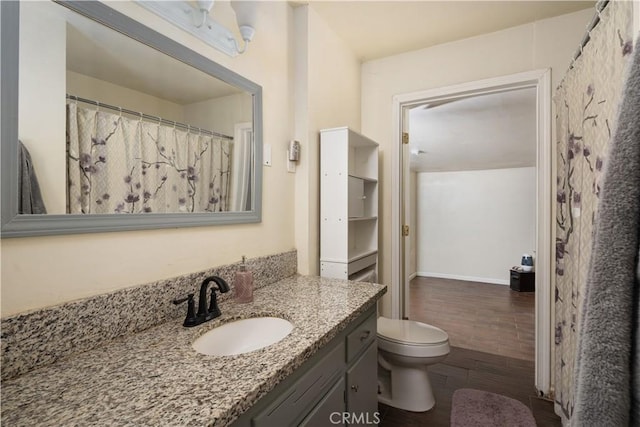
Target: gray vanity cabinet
[(336, 386), (362, 388), (326, 410)]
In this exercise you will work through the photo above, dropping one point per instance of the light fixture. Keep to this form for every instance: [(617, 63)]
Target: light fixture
[(196, 21)]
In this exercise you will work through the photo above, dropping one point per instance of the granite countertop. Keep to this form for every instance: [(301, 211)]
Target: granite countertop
[(155, 378)]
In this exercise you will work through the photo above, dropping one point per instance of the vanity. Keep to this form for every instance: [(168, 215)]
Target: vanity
[(124, 358), (340, 379), (154, 377)]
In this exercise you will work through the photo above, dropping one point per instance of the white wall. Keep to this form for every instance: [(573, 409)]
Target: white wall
[(475, 225), (549, 43), (43, 271), (327, 95)]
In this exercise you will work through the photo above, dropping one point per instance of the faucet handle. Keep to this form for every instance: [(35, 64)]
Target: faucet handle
[(214, 310), (191, 319)]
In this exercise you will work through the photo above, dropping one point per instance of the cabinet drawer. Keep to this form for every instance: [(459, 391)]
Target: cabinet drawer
[(304, 394), (361, 337)]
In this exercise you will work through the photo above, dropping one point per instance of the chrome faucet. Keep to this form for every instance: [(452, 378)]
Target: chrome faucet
[(204, 314)]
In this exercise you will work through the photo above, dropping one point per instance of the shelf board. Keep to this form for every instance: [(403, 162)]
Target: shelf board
[(364, 178), (363, 218), (356, 254)]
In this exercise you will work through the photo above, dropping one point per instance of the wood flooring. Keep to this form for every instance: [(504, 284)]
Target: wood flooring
[(477, 316), (464, 368), (491, 331)]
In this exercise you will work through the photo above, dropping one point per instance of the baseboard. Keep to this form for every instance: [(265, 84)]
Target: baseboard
[(466, 278), (413, 276)]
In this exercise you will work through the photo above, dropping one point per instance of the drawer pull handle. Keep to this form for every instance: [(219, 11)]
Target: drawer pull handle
[(354, 388), (365, 335)]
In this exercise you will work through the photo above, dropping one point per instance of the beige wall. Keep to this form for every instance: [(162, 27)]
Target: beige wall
[(43, 271), (41, 127), (220, 114), (636, 18), (327, 95), (549, 43), (119, 96)]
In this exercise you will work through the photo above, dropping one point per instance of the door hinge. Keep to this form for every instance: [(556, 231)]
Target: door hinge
[(405, 230), (405, 137)]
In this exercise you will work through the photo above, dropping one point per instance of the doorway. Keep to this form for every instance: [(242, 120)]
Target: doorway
[(539, 80)]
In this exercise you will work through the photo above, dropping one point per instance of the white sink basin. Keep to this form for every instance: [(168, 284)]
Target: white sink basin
[(243, 336)]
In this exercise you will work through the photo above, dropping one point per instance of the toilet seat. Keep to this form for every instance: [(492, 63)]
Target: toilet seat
[(411, 338)]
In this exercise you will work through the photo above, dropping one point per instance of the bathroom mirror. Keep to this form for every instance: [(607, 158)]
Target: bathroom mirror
[(108, 125)]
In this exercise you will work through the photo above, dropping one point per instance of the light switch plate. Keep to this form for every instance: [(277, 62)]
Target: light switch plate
[(291, 166), (266, 154)]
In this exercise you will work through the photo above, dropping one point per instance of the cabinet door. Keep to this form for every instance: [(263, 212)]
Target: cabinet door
[(296, 402), (330, 410), (362, 388)]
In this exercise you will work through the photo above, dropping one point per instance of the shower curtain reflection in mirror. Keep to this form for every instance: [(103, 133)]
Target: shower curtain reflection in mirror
[(117, 164)]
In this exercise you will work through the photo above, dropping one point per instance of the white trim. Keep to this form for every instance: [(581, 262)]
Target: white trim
[(541, 79), (544, 253), (413, 276), (396, 220), (465, 278)]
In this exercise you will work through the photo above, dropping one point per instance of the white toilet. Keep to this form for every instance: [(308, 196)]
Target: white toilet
[(405, 349)]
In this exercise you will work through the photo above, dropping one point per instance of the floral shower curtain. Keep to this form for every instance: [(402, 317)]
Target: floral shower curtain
[(120, 165), (586, 105)]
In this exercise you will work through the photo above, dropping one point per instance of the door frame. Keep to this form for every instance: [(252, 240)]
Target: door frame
[(541, 80)]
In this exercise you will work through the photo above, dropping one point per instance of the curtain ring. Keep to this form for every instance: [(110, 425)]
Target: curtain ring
[(120, 109)]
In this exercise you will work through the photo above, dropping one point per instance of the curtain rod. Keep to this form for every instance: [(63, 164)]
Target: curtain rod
[(149, 117), (600, 5)]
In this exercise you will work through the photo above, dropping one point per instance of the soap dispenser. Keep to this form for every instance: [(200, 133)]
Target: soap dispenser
[(243, 284)]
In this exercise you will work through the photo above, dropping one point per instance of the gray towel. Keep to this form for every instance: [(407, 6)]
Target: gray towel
[(30, 199), (607, 379)]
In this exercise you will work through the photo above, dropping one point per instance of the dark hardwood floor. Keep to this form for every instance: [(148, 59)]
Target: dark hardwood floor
[(465, 368), (478, 316), (491, 330)]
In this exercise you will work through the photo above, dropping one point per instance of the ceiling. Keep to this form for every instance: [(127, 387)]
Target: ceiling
[(491, 131), (375, 29), (482, 132), (102, 53)]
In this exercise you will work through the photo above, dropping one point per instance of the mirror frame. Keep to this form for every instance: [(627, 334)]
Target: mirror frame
[(15, 225)]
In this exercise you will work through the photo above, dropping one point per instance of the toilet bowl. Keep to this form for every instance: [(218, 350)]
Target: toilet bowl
[(405, 349)]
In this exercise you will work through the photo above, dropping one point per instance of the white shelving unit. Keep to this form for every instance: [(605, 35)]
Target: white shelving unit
[(348, 205)]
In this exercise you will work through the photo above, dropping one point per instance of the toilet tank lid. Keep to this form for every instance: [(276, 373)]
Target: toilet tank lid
[(410, 332)]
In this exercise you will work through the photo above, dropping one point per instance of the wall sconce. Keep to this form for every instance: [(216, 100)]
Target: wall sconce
[(196, 21)]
